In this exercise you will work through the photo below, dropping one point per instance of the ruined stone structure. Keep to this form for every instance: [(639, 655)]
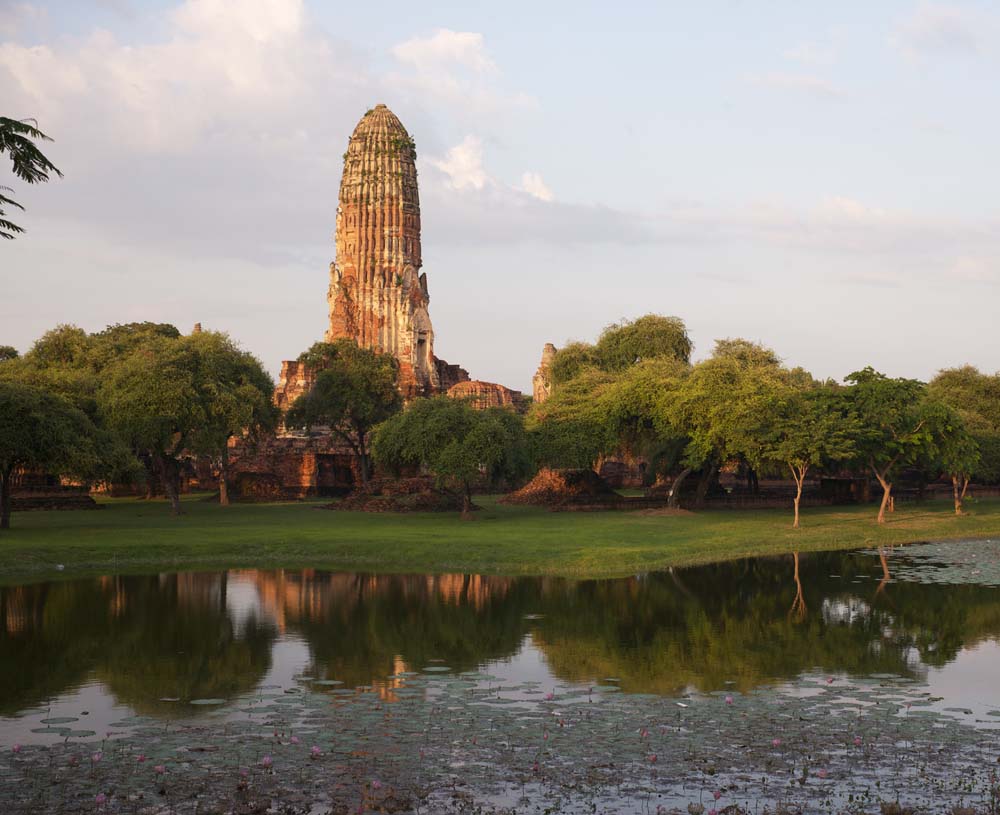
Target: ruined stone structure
[(377, 297), (377, 294), (541, 382), (484, 395)]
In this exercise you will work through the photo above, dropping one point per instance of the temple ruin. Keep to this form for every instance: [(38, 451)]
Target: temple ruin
[(378, 297)]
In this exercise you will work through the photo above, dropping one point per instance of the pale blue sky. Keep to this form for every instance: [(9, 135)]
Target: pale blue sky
[(817, 176)]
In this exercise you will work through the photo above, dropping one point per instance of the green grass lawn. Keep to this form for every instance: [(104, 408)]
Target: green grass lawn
[(129, 535)]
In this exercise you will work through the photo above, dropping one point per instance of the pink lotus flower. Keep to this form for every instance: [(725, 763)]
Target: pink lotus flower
[(822, 772), (857, 741), (652, 759), (314, 751), (96, 757), (717, 795), (294, 739), (829, 680), (160, 769), (100, 799), (545, 737), (244, 772), (16, 748), (141, 757), (376, 784), (713, 812), (549, 697), (266, 762), (776, 742), (729, 700)]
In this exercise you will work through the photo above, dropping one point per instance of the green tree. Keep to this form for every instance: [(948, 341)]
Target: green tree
[(455, 442), (8, 352), (652, 336), (355, 391), (896, 425), (725, 406), (17, 140), (622, 345), (975, 396), (810, 429), (237, 393), (39, 430), (956, 452), (151, 399)]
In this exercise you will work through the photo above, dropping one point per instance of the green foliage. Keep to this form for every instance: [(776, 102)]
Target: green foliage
[(39, 430), (172, 394), (17, 140), (975, 396), (355, 390), (812, 428), (622, 345), (726, 404), (649, 337), (8, 352), (455, 442), (896, 420)]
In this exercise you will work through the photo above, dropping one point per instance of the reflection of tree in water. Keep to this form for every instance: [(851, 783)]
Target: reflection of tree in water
[(358, 625), (704, 626), (144, 637), (750, 622)]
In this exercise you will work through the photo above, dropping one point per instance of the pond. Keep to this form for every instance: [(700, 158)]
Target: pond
[(799, 683)]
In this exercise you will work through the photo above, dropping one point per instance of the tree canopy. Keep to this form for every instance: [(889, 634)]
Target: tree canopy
[(41, 431), (355, 390), (455, 442)]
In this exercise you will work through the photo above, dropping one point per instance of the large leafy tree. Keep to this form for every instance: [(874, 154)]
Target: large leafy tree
[(975, 397), (897, 424), (172, 396), (237, 394), (725, 406), (40, 430), (622, 345), (811, 428), (17, 140), (455, 442), (151, 399), (355, 390)]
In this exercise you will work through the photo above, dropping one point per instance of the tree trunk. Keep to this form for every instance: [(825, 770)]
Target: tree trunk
[(467, 502), (800, 477), (704, 482), (170, 476), (955, 492), (224, 477), (886, 494), (5, 499), (673, 499)]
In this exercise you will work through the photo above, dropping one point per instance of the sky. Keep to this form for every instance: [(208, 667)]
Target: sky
[(818, 177)]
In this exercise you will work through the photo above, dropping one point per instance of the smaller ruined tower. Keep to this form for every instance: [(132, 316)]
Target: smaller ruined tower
[(541, 382)]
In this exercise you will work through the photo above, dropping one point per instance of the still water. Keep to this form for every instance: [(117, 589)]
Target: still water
[(79, 655)]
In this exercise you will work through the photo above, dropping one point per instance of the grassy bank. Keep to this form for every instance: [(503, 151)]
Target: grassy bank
[(135, 536)]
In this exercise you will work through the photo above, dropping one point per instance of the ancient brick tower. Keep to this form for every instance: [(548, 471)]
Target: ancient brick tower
[(377, 295)]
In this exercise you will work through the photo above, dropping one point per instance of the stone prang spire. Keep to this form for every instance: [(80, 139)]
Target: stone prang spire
[(377, 295)]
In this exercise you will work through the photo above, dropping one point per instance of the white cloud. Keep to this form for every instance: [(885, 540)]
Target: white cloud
[(463, 165), (443, 50), (17, 17), (813, 53), (802, 83), (533, 184), (940, 29)]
